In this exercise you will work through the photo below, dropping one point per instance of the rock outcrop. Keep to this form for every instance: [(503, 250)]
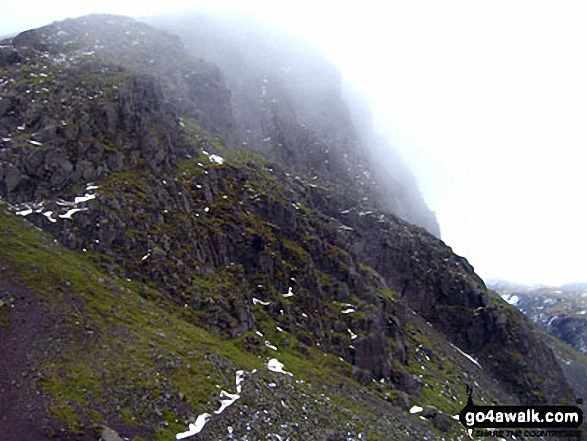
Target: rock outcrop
[(92, 100)]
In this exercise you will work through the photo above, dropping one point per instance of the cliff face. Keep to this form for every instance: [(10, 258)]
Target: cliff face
[(188, 257), (288, 105)]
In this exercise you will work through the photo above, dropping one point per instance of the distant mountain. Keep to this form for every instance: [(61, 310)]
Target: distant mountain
[(562, 311), (166, 272)]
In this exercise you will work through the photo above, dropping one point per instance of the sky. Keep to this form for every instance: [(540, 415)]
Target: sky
[(485, 100)]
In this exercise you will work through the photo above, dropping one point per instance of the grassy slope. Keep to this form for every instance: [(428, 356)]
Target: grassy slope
[(119, 345), (130, 360)]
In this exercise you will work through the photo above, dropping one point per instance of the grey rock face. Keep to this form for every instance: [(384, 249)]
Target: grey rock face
[(288, 105), (8, 56)]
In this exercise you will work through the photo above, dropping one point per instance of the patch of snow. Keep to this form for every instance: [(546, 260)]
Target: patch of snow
[(64, 203), (196, 427), (240, 377), (289, 293), (347, 311), (512, 299), (71, 212), (90, 186), (260, 302), (353, 335), (84, 198), (416, 409), (270, 346), (35, 142), (49, 215), (226, 399), (217, 159), (467, 356), (259, 333), (547, 325), (275, 365), (25, 212)]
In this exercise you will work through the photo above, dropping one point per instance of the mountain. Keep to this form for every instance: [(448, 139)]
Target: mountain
[(168, 269), (560, 313)]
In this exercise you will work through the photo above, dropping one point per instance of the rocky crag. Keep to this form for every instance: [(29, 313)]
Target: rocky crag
[(176, 249)]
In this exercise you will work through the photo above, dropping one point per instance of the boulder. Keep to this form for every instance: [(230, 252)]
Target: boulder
[(8, 56)]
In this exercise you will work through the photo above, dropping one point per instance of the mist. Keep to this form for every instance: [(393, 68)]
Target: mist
[(483, 102), (291, 105)]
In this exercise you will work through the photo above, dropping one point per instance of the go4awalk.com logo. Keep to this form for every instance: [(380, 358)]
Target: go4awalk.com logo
[(553, 420)]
